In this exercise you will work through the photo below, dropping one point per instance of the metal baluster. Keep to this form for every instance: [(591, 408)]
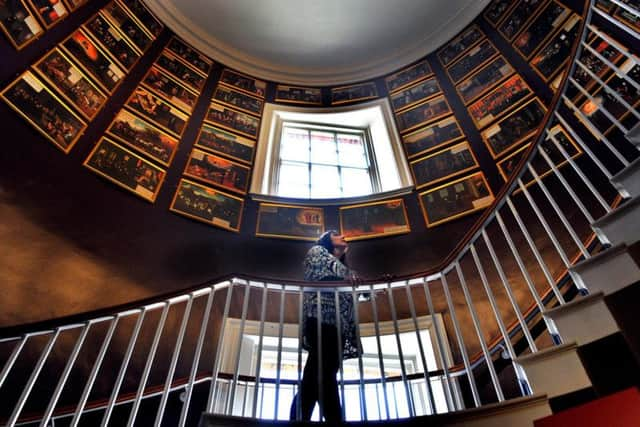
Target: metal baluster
[(461, 345), (615, 22), (174, 361), (412, 309), (478, 329), (149, 363), (581, 174), (263, 313), (363, 401), (244, 398), (443, 357), (196, 358), (601, 107), (536, 252), (300, 339), (94, 371), (65, 374), (613, 66), (336, 296), (376, 324), (559, 212), (123, 366), (622, 49), (33, 378), (236, 365), (12, 359), (218, 358), (403, 369), (319, 356), (279, 357)]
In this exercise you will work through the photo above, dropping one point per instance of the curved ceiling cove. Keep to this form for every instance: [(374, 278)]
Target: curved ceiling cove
[(313, 42)]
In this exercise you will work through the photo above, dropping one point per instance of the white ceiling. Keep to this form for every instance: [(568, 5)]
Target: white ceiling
[(316, 42)]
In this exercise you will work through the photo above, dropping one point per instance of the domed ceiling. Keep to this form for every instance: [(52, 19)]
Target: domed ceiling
[(314, 42)]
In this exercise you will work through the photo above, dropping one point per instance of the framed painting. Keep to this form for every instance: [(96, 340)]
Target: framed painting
[(503, 98), (507, 166), (129, 129), (150, 23), (555, 54), (477, 84), (630, 19), (442, 165), (289, 222), (218, 171), (190, 56), (74, 4), (237, 121), (422, 114), (376, 219), (299, 95), (515, 128), (172, 65), (71, 83), (208, 205), (112, 42), (541, 28), (353, 93), (244, 83), (225, 143), (49, 12), (170, 89), (127, 25), (408, 76), (497, 10), (157, 111), (432, 136), (519, 17), (126, 169), (239, 100), (93, 61), (458, 45), (455, 199), (471, 61), (605, 5), (18, 23), (41, 108), (415, 94)]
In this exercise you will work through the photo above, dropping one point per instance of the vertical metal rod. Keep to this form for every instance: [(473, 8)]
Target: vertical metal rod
[(461, 345), (601, 107), (395, 398), (478, 328), (412, 309), (536, 252), (218, 358), (509, 291), (148, 364), (196, 359), (33, 378), (12, 359), (174, 362), (300, 339), (613, 66), (336, 295), (94, 372), (608, 39), (65, 375), (443, 356), (279, 356), (244, 398), (263, 313), (123, 367), (376, 324), (363, 401), (559, 212), (615, 22), (319, 355), (403, 369), (236, 364), (378, 401), (581, 174)]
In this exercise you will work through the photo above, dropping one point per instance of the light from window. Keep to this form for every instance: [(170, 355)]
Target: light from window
[(322, 163)]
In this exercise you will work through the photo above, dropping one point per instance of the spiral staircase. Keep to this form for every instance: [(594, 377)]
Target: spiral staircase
[(551, 344)]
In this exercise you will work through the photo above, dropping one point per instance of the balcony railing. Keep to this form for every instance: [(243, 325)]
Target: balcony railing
[(440, 341)]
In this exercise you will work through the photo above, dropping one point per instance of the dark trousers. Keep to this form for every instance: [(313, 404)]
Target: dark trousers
[(308, 394)]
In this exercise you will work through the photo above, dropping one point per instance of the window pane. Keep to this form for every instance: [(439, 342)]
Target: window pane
[(293, 180), (325, 181), (351, 148), (323, 148), (355, 182), (294, 145)]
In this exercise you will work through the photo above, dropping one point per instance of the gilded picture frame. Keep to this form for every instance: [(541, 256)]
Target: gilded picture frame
[(235, 147), (238, 100), (408, 76), (374, 219), (243, 83), (19, 24), (503, 98), (170, 88), (299, 95), (353, 93), (190, 56), (233, 120), (443, 165), (466, 39), (432, 137), (217, 171), (422, 114), (157, 111), (291, 222)]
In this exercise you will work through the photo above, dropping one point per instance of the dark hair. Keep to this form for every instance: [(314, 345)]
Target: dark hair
[(325, 241)]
